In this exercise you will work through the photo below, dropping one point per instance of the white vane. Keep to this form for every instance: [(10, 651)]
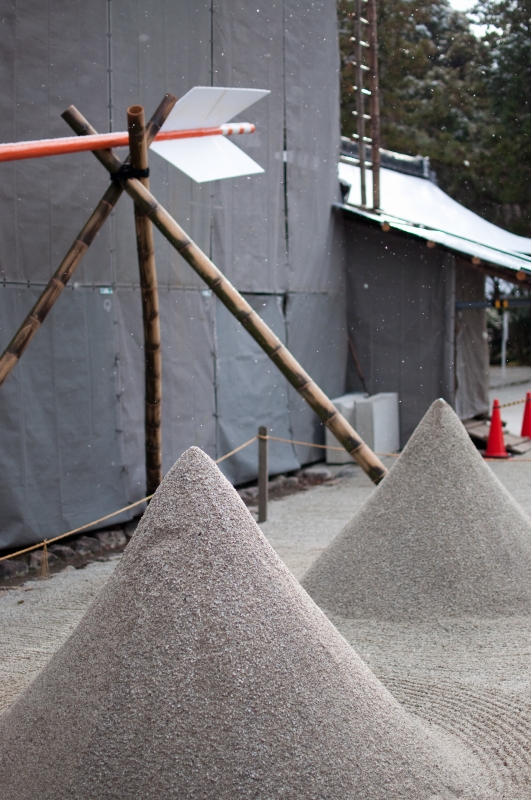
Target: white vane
[(209, 156)]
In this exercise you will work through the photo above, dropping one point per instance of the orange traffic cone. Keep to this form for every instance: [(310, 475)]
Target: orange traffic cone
[(526, 422), (495, 444)]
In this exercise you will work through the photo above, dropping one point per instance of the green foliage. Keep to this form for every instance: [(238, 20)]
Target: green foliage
[(519, 341), (459, 99), (508, 85)]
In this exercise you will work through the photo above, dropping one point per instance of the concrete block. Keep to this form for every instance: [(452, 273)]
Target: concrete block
[(374, 417)]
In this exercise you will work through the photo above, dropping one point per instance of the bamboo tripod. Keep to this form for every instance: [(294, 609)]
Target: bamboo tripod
[(150, 209), (74, 256)]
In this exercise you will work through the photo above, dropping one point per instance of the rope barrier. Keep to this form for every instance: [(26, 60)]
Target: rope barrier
[(47, 542), (513, 403), (320, 446), (236, 449), (305, 444), (76, 530)]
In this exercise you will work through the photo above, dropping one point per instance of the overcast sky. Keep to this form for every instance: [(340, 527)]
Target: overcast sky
[(467, 5)]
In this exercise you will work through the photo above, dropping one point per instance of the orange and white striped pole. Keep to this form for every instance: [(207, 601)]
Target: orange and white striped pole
[(16, 151)]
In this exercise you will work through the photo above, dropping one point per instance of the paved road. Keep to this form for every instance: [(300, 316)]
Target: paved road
[(513, 386)]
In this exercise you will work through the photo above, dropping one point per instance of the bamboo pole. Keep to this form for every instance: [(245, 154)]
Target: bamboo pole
[(150, 308), (241, 309), (70, 262)]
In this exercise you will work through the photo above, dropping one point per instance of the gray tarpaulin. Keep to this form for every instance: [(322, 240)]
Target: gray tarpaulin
[(320, 348), (264, 391), (400, 315), (60, 419), (471, 346), (72, 411)]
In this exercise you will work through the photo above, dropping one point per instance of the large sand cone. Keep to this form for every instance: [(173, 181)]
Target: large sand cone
[(203, 670), (439, 537)]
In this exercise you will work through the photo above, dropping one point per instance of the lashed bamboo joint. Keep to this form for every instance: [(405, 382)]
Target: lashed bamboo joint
[(70, 262), (238, 306), (150, 307)]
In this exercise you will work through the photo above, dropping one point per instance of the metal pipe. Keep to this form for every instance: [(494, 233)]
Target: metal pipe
[(17, 151), (505, 337), (241, 309)]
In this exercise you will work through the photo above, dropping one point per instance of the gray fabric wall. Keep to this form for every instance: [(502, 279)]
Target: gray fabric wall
[(471, 346), (72, 411), (401, 298)]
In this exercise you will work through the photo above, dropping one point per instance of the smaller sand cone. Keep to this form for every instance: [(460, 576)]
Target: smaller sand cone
[(495, 444), (45, 569), (526, 422)]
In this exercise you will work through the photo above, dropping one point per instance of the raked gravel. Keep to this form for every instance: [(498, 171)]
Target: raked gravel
[(35, 619), (203, 670), (471, 677), (440, 537)]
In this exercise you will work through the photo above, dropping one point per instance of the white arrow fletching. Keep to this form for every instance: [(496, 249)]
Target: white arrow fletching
[(210, 106), (208, 158)]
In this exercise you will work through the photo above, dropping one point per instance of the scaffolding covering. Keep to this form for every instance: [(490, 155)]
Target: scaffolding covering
[(73, 410)]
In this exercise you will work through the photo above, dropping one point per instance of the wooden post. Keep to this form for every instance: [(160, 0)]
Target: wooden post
[(360, 103), (263, 474), (150, 308), (241, 309), (70, 262), (375, 102), (45, 567)]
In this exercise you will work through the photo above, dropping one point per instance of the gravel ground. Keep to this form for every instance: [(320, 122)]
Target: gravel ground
[(440, 536), (36, 618), (204, 670), (471, 677)]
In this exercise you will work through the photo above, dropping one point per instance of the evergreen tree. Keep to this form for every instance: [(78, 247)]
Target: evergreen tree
[(461, 100), (507, 189)]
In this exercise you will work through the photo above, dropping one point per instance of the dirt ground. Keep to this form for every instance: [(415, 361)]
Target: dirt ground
[(471, 677)]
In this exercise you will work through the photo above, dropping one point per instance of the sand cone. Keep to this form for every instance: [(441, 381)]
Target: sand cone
[(526, 422), (439, 537), (203, 670), (496, 444)]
